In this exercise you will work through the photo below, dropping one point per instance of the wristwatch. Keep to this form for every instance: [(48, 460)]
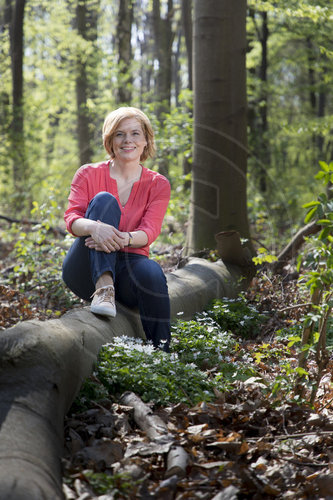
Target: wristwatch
[(129, 239)]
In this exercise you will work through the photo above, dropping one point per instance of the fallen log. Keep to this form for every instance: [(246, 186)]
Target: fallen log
[(291, 250), (43, 365), (150, 423), (177, 462), (157, 430)]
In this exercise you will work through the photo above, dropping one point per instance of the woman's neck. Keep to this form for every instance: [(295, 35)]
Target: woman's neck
[(125, 170)]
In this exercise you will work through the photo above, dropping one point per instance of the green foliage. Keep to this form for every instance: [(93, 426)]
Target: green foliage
[(318, 279), (297, 131), (38, 258), (237, 316), (91, 391), (203, 343), (263, 256), (154, 375), (117, 485), (318, 259), (203, 357)]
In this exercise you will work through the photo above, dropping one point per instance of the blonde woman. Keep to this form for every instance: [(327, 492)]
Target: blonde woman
[(116, 209)]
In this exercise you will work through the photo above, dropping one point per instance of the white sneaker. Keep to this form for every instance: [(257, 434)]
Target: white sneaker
[(104, 302)]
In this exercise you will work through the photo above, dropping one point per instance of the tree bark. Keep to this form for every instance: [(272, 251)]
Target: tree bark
[(43, 365), (218, 194), (124, 35), (86, 20), (164, 36), (16, 11), (261, 126), (188, 34), (163, 50)]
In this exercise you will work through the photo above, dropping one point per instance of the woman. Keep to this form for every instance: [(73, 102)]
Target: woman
[(116, 209)]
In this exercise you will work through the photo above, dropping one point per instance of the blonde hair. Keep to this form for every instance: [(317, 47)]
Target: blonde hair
[(111, 124)]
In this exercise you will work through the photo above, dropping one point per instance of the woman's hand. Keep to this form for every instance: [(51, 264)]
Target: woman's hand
[(105, 238)]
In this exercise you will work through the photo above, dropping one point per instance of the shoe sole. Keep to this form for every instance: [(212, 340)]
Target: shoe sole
[(102, 311)]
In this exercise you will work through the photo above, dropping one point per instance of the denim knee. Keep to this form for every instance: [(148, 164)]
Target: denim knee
[(102, 203)]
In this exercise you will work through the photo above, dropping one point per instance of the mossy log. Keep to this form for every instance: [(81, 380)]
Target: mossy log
[(43, 365)]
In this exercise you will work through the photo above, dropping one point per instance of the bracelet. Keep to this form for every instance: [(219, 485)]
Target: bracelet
[(129, 239)]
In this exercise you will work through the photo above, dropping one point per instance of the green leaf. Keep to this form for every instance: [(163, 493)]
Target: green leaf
[(324, 166), (311, 204), (310, 215), (320, 175), (301, 371)]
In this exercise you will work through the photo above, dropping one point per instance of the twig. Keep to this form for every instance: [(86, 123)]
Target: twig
[(298, 462), (296, 306), (291, 436), (12, 220), (327, 404)]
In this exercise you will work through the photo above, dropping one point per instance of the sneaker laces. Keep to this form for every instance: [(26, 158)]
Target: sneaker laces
[(105, 294)]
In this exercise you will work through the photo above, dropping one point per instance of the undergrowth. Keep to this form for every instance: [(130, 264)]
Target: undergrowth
[(204, 358)]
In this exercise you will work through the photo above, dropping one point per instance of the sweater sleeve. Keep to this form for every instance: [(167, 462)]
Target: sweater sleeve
[(157, 204), (78, 199)]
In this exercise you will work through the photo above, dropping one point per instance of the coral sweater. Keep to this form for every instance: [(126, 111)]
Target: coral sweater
[(144, 210)]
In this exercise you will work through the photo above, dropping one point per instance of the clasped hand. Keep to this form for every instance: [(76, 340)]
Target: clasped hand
[(105, 238)]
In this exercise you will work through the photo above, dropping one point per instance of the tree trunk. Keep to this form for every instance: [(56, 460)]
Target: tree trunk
[(163, 50), (187, 27), (43, 365), (5, 106), (263, 129), (163, 35), (86, 20), (218, 194), (124, 34), (16, 11), (145, 41)]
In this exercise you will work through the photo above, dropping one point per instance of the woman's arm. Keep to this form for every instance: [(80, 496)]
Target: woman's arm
[(101, 236), (134, 239)]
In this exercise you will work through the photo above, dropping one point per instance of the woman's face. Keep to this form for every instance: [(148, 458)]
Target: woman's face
[(129, 140)]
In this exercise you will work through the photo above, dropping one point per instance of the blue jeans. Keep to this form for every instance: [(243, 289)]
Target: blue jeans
[(139, 281)]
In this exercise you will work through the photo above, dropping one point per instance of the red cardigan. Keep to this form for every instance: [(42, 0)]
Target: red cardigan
[(144, 210)]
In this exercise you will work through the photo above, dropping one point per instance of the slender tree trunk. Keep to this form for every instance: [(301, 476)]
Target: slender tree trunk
[(163, 35), (124, 34), (163, 46), (176, 68), (15, 10), (259, 121), (316, 96), (146, 42), (86, 20), (187, 27), (218, 194), (265, 153), (322, 98), (5, 110), (311, 75)]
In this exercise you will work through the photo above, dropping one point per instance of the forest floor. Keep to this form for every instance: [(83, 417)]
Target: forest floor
[(244, 444)]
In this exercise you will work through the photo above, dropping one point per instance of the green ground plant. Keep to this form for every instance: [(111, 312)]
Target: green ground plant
[(317, 261), (237, 316), (117, 485), (204, 358), (38, 255), (129, 364)]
